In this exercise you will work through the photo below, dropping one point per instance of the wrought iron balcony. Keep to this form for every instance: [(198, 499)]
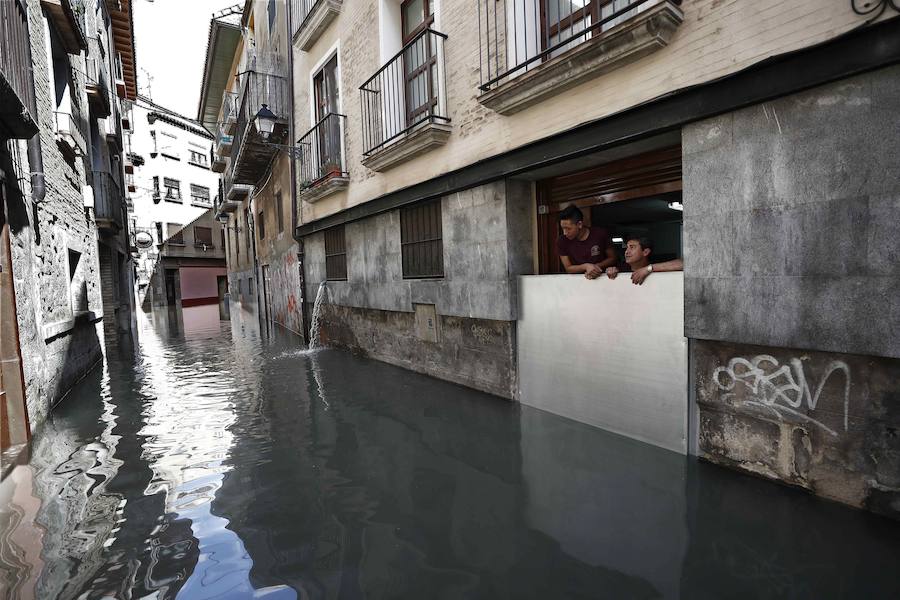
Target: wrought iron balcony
[(531, 49), (109, 202), (97, 86), (404, 105), (67, 17), (18, 112), (230, 109), (71, 134), (309, 18), (320, 155), (250, 155)]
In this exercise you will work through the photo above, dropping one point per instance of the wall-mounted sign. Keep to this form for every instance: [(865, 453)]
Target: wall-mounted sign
[(143, 239)]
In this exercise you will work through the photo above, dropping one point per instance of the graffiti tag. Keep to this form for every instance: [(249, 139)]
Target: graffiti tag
[(781, 388)]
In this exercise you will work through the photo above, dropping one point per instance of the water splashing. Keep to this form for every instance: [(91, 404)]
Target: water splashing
[(314, 333)]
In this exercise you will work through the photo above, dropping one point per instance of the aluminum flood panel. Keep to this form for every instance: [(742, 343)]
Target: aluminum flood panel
[(607, 353)]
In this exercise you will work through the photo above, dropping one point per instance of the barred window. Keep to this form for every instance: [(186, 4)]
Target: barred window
[(198, 158), (173, 189), (200, 196), (421, 246), (335, 254)]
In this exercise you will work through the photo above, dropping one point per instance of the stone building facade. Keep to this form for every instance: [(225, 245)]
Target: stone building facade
[(434, 150), (50, 192)]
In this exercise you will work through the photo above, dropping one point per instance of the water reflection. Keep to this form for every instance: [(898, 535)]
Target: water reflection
[(218, 464)]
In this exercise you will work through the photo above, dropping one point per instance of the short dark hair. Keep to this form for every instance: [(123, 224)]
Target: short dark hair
[(645, 242), (571, 213)]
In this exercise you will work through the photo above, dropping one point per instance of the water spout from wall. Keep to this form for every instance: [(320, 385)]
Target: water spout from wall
[(315, 340)]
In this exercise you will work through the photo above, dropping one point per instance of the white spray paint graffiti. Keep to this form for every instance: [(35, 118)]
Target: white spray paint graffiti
[(781, 388)]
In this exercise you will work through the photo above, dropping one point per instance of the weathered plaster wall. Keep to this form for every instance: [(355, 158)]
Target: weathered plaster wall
[(487, 241), (823, 421), (791, 272), (58, 335), (791, 235)]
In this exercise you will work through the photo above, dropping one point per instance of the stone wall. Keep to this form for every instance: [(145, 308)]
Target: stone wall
[(791, 235), (487, 243), (823, 421), (791, 272), (58, 335)]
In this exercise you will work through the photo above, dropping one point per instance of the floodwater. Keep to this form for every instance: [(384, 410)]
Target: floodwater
[(218, 463)]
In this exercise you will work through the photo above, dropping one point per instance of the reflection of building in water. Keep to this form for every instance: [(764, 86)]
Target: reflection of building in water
[(395, 489)]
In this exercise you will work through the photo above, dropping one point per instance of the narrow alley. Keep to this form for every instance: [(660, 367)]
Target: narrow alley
[(218, 463)]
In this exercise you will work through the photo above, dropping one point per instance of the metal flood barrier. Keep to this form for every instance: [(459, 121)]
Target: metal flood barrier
[(607, 353)]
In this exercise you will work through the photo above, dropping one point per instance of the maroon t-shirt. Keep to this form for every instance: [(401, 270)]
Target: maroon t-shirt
[(591, 250)]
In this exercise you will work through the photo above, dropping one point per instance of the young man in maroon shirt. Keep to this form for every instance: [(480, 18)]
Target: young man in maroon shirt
[(637, 258), (583, 249)]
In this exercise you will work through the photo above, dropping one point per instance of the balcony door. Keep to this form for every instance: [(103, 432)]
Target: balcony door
[(419, 60), (327, 154)]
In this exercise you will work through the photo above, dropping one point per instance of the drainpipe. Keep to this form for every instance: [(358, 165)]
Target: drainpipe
[(36, 165), (296, 205)]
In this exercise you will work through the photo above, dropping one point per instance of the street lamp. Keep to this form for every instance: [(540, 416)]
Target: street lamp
[(265, 122)]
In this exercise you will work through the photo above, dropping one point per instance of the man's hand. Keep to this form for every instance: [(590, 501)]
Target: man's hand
[(611, 272), (593, 272), (640, 275)]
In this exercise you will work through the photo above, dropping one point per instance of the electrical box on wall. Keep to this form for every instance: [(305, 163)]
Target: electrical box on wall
[(427, 324)]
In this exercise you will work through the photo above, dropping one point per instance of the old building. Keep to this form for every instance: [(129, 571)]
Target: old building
[(176, 235), (110, 83), (435, 144), (247, 66), (65, 237)]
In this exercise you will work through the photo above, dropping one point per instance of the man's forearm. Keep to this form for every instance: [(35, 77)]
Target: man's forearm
[(669, 265)]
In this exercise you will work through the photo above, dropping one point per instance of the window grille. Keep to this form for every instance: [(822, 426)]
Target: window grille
[(173, 189), (335, 254), (421, 244), (200, 196)]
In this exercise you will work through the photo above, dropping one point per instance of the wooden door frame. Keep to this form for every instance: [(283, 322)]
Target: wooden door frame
[(412, 112)]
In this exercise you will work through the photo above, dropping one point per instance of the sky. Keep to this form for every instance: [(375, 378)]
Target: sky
[(171, 37)]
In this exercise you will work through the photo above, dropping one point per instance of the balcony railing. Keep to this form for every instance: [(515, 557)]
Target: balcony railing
[(71, 134), (519, 35), (18, 112), (310, 18), (250, 156), (406, 92), (98, 86), (230, 108), (108, 200), (322, 151)]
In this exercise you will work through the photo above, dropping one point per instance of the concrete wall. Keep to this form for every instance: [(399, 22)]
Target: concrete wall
[(487, 244), (792, 243), (59, 337), (717, 38)]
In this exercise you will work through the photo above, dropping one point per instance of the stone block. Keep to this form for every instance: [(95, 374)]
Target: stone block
[(821, 421), (709, 244), (708, 134)]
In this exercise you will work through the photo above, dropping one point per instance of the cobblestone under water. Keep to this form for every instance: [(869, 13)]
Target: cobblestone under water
[(218, 463)]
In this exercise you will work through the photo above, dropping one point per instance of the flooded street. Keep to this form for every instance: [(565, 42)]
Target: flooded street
[(218, 463)]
